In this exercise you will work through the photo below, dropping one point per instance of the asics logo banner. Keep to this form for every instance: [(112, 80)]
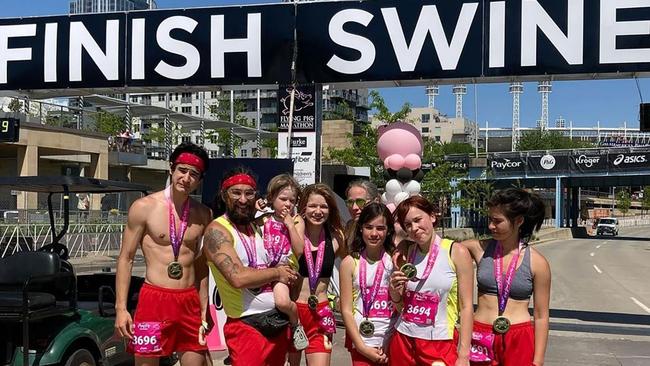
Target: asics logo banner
[(587, 161), (629, 159)]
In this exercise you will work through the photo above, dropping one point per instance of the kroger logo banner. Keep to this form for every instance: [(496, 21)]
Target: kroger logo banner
[(588, 162)]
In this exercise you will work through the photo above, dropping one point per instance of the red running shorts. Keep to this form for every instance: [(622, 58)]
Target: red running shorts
[(178, 311), (247, 346), (319, 341), (410, 351), (514, 348)]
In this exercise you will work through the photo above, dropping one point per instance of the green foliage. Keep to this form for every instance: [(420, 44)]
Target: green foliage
[(109, 123), (221, 111), (434, 151), (475, 195), (383, 113), (623, 201), (549, 140), (645, 202), (15, 105), (154, 134)]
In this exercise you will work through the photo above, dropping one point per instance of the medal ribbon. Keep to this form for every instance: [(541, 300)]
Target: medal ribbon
[(249, 245), (314, 273), (503, 289), (434, 249), (368, 297), (275, 252), (177, 238)]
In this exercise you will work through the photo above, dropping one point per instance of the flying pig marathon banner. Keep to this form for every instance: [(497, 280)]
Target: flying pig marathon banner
[(344, 41)]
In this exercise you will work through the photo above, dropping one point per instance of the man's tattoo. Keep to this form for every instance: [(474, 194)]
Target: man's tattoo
[(225, 264), (214, 240)]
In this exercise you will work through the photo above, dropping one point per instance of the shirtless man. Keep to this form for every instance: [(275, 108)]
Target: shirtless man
[(168, 225)]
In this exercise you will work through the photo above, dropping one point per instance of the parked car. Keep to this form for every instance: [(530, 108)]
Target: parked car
[(607, 225)]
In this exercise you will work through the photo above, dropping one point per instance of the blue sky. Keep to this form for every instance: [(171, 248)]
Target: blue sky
[(584, 102)]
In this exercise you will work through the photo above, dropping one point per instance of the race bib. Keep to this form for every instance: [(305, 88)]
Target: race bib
[(481, 349), (382, 307), (276, 239), (420, 308), (147, 337), (327, 322)]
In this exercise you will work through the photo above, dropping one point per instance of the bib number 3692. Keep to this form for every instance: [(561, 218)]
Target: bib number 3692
[(147, 337)]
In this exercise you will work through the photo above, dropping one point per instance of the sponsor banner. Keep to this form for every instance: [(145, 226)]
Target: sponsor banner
[(510, 165), (460, 163), (588, 162), (628, 161), (304, 109), (547, 164), (303, 147)]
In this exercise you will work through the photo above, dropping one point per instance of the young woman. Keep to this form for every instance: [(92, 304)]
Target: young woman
[(508, 273), (323, 242), (438, 292), (284, 234), (365, 305)]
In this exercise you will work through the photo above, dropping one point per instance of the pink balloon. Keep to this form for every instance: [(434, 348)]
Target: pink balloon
[(391, 207), (398, 138), (395, 162), (412, 162)]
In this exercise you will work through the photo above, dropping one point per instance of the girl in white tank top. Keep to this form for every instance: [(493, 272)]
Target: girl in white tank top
[(365, 305)]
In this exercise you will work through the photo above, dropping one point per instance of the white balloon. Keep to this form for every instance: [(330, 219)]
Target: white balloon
[(412, 187), (401, 196), (384, 198), (393, 187)]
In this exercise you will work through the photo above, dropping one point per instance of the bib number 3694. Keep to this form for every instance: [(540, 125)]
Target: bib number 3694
[(147, 337)]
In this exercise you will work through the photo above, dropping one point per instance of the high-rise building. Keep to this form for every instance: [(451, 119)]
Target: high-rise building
[(105, 6)]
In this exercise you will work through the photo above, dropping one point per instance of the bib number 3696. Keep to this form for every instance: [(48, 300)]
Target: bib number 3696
[(146, 337)]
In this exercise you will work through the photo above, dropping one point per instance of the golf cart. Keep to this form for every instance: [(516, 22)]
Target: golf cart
[(48, 314)]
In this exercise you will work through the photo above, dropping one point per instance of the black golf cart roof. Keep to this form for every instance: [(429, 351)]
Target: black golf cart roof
[(58, 184)]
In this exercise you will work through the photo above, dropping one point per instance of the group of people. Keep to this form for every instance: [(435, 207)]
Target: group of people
[(405, 294)]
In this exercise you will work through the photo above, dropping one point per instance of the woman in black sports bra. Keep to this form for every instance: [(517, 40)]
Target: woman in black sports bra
[(508, 273), (323, 242)]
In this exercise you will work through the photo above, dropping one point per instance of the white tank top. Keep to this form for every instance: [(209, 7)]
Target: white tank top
[(442, 280), (383, 326)]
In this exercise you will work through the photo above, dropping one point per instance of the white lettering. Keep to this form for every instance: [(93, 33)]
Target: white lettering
[(50, 52), (497, 34), (349, 40), (610, 29), (251, 45), (429, 23), (108, 63), (183, 49), (569, 46), (507, 163), (137, 49), (587, 161), (14, 54)]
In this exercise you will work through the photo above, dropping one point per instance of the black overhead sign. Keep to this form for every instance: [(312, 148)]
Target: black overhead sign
[(547, 163), (588, 162), (507, 165), (628, 161), (347, 41), (304, 109)]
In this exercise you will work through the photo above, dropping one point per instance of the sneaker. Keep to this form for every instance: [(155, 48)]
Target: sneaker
[(300, 341)]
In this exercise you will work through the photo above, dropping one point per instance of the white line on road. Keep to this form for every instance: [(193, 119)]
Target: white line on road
[(598, 246), (647, 309), (597, 269), (592, 254)]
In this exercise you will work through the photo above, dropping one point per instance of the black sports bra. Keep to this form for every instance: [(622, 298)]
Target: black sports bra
[(328, 259)]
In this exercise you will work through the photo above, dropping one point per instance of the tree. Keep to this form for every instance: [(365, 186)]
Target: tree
[(549, 140), (645, 202), (623, 200), (15, 105), (362, 152), (109, 123), (221, 111), (383, 113)]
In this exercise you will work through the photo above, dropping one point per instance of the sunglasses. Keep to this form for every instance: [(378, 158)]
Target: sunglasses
[(360, 202)]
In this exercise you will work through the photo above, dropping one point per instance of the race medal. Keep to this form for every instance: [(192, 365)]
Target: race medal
[(312, 302), (501, 325), (175, 270), (409, 270), (366, 328)]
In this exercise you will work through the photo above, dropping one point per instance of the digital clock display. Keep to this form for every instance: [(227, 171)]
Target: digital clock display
[(9, 129)]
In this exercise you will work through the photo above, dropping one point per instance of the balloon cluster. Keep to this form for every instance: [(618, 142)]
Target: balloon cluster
[(400, 148)]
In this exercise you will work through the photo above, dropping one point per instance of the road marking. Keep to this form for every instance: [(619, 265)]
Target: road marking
[(597, 269), (592, 254), (598, 246), (647, 309)]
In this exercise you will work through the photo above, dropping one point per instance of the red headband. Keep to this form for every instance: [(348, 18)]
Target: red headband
[(191, 159), (238, 179)]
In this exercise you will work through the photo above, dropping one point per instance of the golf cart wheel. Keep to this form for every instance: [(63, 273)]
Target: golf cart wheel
[(81, 357)]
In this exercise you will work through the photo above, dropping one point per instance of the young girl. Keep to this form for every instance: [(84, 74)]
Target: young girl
[(436, 293), (508, 273), (323, 242), (365, 305), (283, 235)]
